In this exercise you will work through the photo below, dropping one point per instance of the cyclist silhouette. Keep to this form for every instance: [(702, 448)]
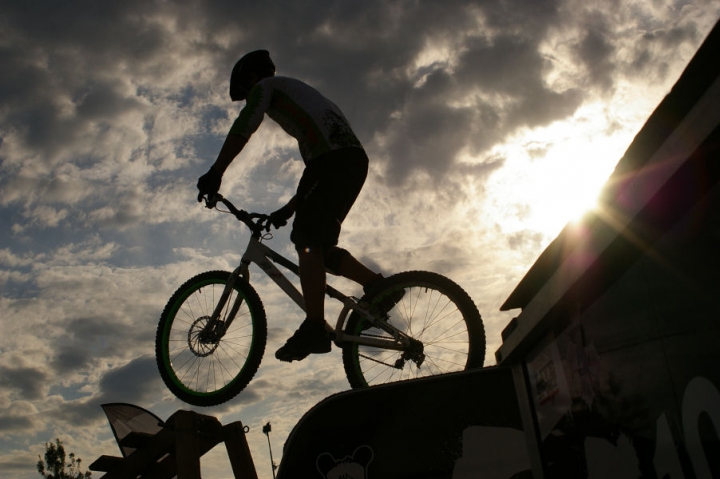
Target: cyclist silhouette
[(335, 170)]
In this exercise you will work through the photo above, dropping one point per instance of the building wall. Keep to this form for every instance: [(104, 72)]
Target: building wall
[(631, 388)]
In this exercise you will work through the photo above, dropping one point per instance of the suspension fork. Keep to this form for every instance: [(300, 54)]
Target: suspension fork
[(216, 326)]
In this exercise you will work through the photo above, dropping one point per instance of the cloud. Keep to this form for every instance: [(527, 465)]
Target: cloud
[(136, 382), (91, 339), (110, 100), (132, 382), (18, 418), (31, 383)]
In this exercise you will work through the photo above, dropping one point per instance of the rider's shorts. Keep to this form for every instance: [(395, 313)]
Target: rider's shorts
[(327, 190)]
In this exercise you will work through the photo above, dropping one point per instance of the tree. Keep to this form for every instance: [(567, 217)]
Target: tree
[(54, 466)]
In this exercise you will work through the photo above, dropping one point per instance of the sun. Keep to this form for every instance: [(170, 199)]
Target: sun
[(551, 176)]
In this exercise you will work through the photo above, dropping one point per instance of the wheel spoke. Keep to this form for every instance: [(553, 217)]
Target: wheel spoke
[(198, 363), (436, 313)]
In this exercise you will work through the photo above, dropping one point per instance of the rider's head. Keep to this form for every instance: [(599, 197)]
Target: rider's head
[(250, 69)]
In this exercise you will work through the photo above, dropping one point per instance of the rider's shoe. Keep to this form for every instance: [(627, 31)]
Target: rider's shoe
[(385, 305), (312, 337)]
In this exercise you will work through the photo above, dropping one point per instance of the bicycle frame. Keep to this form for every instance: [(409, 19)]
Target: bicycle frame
[(266, 258)]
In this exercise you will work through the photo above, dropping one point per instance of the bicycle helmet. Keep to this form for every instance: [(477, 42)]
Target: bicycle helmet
[(257, 62)]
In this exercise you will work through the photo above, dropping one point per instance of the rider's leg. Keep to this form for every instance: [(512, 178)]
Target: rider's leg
[(312, 335), (339, 261), (313, 281), (326, 192), (350, 268)]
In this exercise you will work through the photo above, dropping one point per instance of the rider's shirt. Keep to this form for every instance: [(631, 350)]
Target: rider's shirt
[(314, 121)]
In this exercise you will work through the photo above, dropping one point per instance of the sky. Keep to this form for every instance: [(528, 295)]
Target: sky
[(489, 125)]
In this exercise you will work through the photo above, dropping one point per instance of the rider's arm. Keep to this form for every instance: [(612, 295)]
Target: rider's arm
[(231, 148), (244, 126), (280, 217), (249, 120), (292, 204)]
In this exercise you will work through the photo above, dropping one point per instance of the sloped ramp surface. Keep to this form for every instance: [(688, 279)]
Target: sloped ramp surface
[(457, 426)]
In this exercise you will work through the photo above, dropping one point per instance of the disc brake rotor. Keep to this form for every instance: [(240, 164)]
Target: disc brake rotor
[(199, 341)]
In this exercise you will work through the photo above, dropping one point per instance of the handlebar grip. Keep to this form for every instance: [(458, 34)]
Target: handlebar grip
[(211, 201)]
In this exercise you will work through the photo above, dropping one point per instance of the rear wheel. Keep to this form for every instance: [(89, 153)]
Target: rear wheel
[(203, 367), (434, 311)]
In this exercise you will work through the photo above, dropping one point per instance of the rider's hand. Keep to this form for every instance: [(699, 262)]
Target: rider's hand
[(209, 183), (280, 217)]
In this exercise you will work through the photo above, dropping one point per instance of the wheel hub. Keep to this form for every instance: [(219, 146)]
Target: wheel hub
[(414, 353), (201, 341)]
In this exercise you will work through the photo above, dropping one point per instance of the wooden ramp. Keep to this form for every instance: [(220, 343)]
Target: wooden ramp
[(177, 448)]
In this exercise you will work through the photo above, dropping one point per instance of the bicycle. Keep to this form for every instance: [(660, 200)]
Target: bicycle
[(212, 333)]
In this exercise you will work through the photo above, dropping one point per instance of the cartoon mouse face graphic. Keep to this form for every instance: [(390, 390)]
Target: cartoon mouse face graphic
[(349, 467)]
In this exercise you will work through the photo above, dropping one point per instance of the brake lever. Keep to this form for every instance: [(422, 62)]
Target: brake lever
[(211, 201), (263, 220)]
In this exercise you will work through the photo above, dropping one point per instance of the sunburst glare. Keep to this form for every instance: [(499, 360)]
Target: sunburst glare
[(553, 175)]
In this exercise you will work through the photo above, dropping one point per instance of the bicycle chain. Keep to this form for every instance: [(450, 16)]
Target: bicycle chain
[(377, 360)]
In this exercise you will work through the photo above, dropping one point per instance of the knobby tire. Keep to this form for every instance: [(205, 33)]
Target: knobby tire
[(433, 310), (206, 372)]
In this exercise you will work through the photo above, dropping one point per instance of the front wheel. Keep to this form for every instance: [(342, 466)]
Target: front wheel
[(435, 312), (199, 365)]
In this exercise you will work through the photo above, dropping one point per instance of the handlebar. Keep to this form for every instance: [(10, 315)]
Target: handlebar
[(255, 221)]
